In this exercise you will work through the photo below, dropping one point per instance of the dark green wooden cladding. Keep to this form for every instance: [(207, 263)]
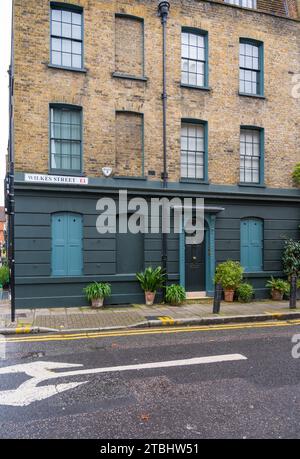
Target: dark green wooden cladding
[(280, 221), (129, 253), (36, 288)]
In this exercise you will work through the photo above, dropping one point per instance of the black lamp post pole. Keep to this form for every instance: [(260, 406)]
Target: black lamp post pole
[(293, 292), (217, 298)]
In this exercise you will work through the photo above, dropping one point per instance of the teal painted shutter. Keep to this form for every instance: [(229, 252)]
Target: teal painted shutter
[(74, 245), (245, 244), (66, 245), (256, 245), (59, 245), (252, 245)]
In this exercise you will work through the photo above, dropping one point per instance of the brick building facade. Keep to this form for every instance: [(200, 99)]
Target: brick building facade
[(87, 85)]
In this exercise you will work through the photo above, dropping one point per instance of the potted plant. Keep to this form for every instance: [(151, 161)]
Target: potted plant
[(279, 288), (151, 280), (96, 292), (291, 260), (230, 275), (245, 293), (291, 257), (175, 294)]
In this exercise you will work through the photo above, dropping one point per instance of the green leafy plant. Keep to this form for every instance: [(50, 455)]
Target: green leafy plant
[(4, 275), (229, 274), (245, 293), (97, 290), (296, 174), (291, 257), (280, 285), (151, 279), (175, 294)]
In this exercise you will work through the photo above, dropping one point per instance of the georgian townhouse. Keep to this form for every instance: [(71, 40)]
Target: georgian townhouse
[(87, 121)]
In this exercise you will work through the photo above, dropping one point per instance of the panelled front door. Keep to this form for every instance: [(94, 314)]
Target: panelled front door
[(195, 267)]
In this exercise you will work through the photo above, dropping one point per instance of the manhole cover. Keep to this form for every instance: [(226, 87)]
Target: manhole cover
[(34, 355)]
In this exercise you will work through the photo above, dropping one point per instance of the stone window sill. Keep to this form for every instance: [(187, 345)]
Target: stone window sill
[(253, 96), (195, 181), (120, 177), (126, 76), (199, 88), (252, 185), (69, 69)]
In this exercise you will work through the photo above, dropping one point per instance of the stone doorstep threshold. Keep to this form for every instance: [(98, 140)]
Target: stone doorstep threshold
[(196, 295)]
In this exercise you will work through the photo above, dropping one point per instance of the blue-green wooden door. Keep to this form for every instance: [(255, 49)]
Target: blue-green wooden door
[(67, 245), (252, 245)]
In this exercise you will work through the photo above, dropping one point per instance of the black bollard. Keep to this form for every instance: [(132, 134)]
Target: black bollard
[(217, 298), (293, 292)]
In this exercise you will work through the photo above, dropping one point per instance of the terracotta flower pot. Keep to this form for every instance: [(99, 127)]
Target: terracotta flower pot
[(149, 298), (277, 295), (229, 295), (97, 303)]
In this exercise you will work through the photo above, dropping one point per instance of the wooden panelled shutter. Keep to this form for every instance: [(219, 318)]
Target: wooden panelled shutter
[(67, 244), (252, 244)]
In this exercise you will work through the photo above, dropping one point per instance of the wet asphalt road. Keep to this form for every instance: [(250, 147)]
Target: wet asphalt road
[(254, 398)]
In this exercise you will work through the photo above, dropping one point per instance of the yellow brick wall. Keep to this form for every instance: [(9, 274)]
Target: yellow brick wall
[(129, 144), (129, 46), (101, 95)]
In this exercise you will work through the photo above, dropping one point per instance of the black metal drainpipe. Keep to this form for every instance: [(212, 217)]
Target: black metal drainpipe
[(11, 200), (10, 185), (163, 9)]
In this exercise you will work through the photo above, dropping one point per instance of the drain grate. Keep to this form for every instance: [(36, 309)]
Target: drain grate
[(34, 355)]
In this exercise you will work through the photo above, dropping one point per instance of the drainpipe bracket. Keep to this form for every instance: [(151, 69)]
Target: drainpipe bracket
[(164, 176)]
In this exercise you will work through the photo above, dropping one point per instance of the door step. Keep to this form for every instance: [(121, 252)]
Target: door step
[(195, 295), (207, 300), (198, 298)]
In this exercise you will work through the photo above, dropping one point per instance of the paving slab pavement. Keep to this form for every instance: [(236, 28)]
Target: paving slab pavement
[(84, 318)]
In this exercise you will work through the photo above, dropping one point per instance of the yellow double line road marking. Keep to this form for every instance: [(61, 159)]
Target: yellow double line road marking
[(148, 331)]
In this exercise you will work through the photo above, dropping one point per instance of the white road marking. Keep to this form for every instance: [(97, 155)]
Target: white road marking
[(30, 392)]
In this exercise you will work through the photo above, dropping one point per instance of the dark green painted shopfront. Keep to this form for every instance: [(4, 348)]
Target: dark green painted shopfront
[(59, 251)]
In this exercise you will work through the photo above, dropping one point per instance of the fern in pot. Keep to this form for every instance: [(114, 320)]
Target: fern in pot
[(96, 292), (175, 294), (279, 288), (151, 280), (245, 293)]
